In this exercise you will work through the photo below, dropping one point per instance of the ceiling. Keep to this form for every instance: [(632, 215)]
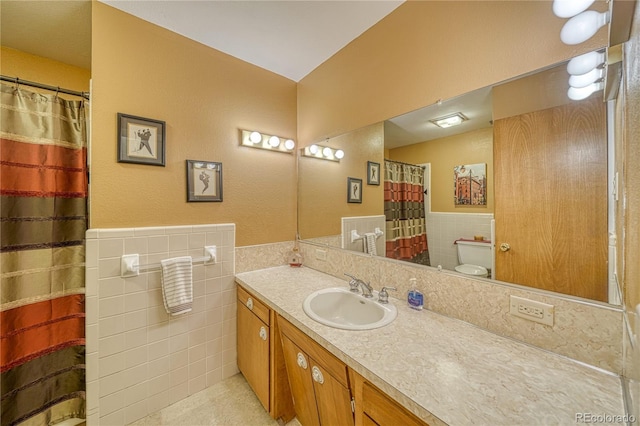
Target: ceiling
[(289, 38)]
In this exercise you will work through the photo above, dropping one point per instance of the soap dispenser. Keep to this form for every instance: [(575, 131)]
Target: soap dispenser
[(415, 299)]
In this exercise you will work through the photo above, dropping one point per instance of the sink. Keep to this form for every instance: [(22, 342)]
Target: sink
[(341, 308)]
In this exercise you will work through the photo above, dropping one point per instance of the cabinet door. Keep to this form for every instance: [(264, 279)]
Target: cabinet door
[(332, 398), (253, 353), (298, 370)]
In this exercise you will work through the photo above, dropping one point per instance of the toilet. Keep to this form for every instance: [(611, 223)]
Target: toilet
[(474, 257)]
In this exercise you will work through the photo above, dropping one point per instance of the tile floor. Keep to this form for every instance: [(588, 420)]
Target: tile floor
[(228, 403)]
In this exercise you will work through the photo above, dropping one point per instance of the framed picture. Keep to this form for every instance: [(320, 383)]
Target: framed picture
[(140, 140), (470, 185), (373, 173), (354, 190), (204, 181)]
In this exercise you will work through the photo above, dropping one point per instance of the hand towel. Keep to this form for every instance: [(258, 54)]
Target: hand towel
[(370, 243), (177, 285)]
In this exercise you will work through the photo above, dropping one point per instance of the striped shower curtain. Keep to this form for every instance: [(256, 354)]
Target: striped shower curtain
[(406, 236), (43, 183)]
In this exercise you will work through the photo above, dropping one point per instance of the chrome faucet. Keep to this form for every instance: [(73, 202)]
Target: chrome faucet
[(383, 295), (354, 283)]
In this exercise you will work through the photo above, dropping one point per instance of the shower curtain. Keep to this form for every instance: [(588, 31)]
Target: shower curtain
[(406, 236), (43, 190)]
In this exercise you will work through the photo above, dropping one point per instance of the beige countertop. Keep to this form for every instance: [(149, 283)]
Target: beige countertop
[(444, 370)]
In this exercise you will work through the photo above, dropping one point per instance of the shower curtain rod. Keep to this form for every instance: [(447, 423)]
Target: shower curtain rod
[(18, 82), (408, 164)]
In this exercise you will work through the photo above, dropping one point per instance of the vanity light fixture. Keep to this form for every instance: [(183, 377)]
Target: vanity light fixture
[(323, 152), (449, 120), (269, 142), (583, 26), (582, 23), (584, 63), (583, 80), (580, 93)]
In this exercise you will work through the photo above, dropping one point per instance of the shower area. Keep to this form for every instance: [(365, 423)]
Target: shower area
[(43, 190)]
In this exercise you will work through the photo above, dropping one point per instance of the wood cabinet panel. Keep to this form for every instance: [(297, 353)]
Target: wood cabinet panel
[(253, 353), (336, 368), (254, 304), (301, 383), (332, 398)]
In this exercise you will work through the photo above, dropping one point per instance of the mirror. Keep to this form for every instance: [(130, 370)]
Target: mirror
[(537, 187)]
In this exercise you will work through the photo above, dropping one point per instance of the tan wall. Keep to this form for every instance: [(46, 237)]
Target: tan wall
[(430, 50), (205, 97), (323, 184), (28, 67), (444, 154)]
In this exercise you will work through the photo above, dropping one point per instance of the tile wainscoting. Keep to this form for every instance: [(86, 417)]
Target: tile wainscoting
[(139, 358)]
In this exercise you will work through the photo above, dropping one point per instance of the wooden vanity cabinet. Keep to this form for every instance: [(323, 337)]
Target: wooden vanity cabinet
[(319, 381), (260, 357), (374, 407)]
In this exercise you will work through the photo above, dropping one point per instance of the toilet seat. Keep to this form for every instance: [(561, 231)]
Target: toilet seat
[(474, 270)]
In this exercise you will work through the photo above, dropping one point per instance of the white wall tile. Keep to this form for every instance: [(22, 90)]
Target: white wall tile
[(147, 357)]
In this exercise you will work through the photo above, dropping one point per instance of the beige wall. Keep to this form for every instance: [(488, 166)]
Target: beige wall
[(430, 50), (205, 97), (28, 67), (323, 184), (444, 154)]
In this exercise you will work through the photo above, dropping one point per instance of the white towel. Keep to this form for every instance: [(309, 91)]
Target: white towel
[(177, 285), (370, 243)]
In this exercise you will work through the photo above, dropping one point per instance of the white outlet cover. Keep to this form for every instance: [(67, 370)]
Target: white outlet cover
[(547, 310)]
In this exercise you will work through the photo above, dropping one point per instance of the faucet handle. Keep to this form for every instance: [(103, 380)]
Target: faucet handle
[(354, 283), (383, 296)]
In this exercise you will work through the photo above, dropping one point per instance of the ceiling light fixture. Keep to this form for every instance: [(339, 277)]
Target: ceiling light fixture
[(449, 120)]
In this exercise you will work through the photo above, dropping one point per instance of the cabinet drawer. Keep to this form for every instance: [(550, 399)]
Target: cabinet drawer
[(384, 411), (254, 305), (333, 365)]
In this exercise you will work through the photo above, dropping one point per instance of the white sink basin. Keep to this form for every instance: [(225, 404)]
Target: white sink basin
[(341, 308)]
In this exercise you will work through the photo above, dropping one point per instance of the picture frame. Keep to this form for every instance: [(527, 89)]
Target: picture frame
[(204, 181), (141, 140), (373, 173), (354, 190)]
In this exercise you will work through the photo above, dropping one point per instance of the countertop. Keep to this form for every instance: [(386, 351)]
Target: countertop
[(444, 370)]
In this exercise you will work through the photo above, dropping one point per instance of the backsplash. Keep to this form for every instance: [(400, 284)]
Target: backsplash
[(139, 358), (588, 332)]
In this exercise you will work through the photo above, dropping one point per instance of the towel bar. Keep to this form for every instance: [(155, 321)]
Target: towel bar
[(130, 263), (355, 236)]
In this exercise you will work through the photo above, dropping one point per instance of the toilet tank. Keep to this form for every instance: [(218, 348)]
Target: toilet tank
[(473, 252)]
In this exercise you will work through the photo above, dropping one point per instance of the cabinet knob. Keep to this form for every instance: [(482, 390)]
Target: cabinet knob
[(317, 375), (263, 333), (302, 361), (250, 303)]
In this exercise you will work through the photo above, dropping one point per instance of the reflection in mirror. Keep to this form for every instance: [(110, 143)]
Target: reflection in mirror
[(517, 192)]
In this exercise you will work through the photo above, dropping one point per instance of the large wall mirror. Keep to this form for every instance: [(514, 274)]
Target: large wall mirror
[(522, 186)]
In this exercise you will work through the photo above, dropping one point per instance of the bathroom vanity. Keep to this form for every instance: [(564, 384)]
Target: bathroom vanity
[(430, 368)]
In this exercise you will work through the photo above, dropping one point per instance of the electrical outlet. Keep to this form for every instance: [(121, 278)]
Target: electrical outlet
[(531, 310), (321, 254)]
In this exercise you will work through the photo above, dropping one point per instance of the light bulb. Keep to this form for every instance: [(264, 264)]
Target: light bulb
[(583, 80), (569, 8), (255, 137), (584, 63), (580, 93), (339, 154), (274, 141), (313, 149), (289, 144), (582, 27), (326, 151)]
